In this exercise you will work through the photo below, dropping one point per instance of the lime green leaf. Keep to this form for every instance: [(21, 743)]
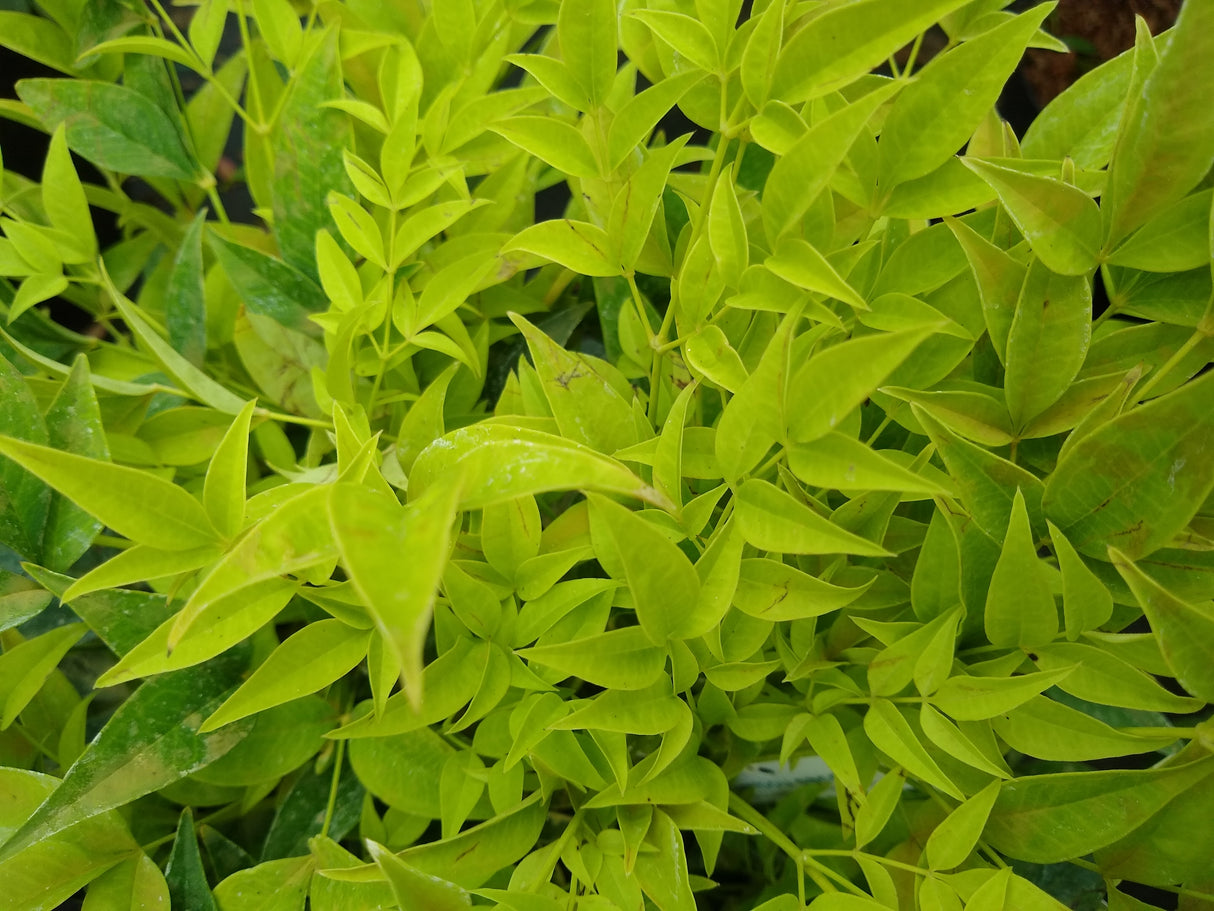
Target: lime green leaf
[(199, 384), (842, 44), (641, 113), (63, 196), (761, 53), (499, 462), (1081, 123), (1086, 603), (1061, 222), (1134, 482), (312, 658), (875, 811), (829, 740), (950, 738), (219, 625), (134, 884), (1166, 140), (839, 462), (576, 245), (134, 503), (587, 33), (838, 379), (112, 126), (1050, 730), (663, 582), (24, 668), (935, 115), (976, 698), (804, 171), (1048, 819), (1185, 631), (1047, 341), (185, 309), (620, 659), (689, 37), (708, 352), (273, 885), (151, 741), (1175, 240), (206, 29), (952, 841), (999, 278), (223, 491), (892, 669), (1104, 678), (38, 38), (988, 484), (588, 409), (893, 736), (662, 873), (552, 141), (371, 531), (797, 262), (727, 230), (771, 519), (1020, 609), (140, 564)]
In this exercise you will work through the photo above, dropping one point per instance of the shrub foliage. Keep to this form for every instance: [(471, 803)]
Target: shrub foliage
[(388, 546)]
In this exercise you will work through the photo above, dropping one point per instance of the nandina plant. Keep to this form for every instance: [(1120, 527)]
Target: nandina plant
[(791, 522)]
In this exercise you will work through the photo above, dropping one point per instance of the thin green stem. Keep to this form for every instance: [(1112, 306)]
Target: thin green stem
[(886, 861), (217, 204), (1184, 351), (332, 804), (912, 57), (880, 429), (773, 834)]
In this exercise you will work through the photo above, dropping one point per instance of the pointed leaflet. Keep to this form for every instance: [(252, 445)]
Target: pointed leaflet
[(25, 667), (623, 658), (587, 408), (1061, 222), (64, 200), (312, 658), (134, 503), (223, 490), (999, 278), (150, 742), (270, 287), (1166, 140), (892, 735), (587, 33), (968, 698), (838, 462), (1086, 603), (186, 879), (935, 115), (141, 563), (798, 263), (987, 483), (374, 534), (272, 884), (773, 520), (24, 499), (663, 581), (842, 44), (803, 172), (199, 384), (1185, 631), (761, 53), (499, 462), (554, 142), (637, 202), (633, 123), (838, 379), (185, 306), (949, 737), (134, 884), (1049, 730), (576, 245), (308, 139), (727, 229), (953, 840), (1106, 679), (1081, 123), (1048, 819), (1047, 341), (112, 126), (1134, 482), (73, 424), (1020, 608)]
